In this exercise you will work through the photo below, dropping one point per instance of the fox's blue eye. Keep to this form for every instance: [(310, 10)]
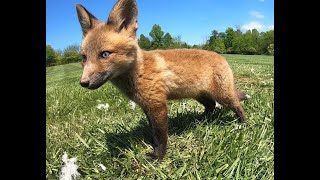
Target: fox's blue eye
[(105, 54)]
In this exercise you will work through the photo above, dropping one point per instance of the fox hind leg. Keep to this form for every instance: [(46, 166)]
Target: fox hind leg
[(232, 102), (240, 112), (208, 102)]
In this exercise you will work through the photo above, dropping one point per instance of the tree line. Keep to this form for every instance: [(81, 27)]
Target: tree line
[(232, 41), (70, 54)]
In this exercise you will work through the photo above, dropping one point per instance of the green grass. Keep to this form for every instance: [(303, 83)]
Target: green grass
[(119, 137)]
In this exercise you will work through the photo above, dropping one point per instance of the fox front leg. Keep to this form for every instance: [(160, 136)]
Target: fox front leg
[(158, 119)]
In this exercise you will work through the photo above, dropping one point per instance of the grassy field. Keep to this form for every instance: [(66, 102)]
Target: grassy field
[(118, 137)]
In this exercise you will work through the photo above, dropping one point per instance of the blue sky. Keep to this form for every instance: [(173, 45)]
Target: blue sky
[(193, 20)]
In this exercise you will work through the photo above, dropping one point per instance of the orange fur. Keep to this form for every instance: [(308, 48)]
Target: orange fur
[(150, 78)]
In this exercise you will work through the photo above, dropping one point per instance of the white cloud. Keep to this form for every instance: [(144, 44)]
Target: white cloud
[(253, 25), (271, 27), (261, 0), (256, 14), (256, 25)]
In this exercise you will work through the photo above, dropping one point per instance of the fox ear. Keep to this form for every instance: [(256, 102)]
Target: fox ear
[(124, 15), (86, 19)]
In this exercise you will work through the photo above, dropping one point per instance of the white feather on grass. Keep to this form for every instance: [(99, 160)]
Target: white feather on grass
[(69, 170), (103, 106), (248, 96), (219, 106), (102, 167), (132, 105)]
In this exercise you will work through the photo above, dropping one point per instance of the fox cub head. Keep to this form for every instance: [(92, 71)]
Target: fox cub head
[(108, 48)]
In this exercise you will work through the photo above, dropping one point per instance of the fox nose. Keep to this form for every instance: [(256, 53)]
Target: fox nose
[(84, 83)]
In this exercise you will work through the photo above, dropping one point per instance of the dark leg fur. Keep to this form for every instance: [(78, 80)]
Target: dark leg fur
[(235, 106), (232, 101), (240, 112), (208, 102), (148, 118), (241, 95), (158, 118), (238, 109)]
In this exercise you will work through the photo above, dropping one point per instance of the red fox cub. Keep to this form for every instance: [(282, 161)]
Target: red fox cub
[(110, 51)]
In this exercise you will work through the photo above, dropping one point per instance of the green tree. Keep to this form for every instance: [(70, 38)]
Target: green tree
[(212, 38), (265, 39), (243, 43), (214, 34), (255, 37), (71, 54), (51, 56), (230, 36), (247, 43), (237, 42), (185, 45), (222, 35), (218, 46), (73, 47), (271, 49), (178, 43), (60, 56), (168, 41), (144, 42), (195, 46), (59, 52), (157, 37)]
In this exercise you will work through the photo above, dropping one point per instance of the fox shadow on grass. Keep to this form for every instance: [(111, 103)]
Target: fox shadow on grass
[(178, 124)]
